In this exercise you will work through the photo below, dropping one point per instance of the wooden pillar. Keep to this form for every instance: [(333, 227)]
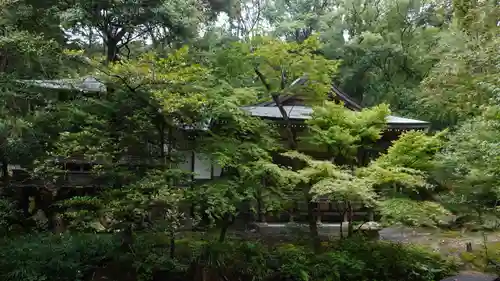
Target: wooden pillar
[(261, 214), (371, 215), (292, 211), (318, 216), (291, 217), (319, 211)]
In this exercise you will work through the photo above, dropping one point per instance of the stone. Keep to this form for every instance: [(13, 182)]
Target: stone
[(370, 230), (370, 225)]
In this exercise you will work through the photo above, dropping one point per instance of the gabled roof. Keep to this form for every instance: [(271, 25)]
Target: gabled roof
[(269, 110)]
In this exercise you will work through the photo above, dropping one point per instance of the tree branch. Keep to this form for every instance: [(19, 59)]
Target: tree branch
[(292, 143)]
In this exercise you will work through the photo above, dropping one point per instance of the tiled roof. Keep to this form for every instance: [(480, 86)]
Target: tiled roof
[(89, 84), (297, 112)]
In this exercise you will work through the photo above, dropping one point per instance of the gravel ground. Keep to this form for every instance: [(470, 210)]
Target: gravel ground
[(443, 242)]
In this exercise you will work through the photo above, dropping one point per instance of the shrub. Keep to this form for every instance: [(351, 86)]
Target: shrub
[(362, 260), (72, 257), (479, 260), (396, 261), (53, 257), (8, 214)]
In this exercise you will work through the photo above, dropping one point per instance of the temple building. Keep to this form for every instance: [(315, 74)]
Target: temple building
[(298, 112), (200, 165)]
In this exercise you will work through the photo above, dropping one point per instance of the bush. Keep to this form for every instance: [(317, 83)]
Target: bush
[(359, 259), (299, 263), (395, 261), (479, 260), (72, 257), (8, 215), (53, 257)]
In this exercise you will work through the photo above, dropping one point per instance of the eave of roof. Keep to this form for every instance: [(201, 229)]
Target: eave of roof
[(264, 110), (302, 113), (88, 84)]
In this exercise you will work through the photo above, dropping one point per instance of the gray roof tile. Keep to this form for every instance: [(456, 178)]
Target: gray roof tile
[(304, 112)]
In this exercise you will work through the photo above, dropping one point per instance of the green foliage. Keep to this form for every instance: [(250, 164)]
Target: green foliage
[(466, 76), (327, 180), (412, 212), (468, 166), (400, 171), (392, 179), (413, 150), (483, 259), (34, 17), (280, 64), (8, 216), (120, 23), (344, 132), (276, 59), (46, 256), (75, 257), (394, 261), (29, 55), (424, 58)]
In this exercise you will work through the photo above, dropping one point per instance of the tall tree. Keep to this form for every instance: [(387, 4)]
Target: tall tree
[(468, 167), (120, 22), (466, 76)]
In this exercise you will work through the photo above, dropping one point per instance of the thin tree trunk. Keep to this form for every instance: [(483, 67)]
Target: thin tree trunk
[(111, 51), (350, 228), (313, 225), (260, 212), (5, 172), (225, 226), (292, 144), (172, 244)]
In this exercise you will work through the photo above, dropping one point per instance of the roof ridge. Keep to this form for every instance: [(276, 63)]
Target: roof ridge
[(348, 101)]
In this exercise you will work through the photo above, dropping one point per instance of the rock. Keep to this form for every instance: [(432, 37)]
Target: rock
[(370, 230), (371, 225)]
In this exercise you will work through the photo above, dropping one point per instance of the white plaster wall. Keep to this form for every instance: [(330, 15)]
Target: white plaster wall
[(187, 164), (202, 166), (217, 169)]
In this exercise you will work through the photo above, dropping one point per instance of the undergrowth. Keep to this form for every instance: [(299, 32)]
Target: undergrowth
[(75, 257)]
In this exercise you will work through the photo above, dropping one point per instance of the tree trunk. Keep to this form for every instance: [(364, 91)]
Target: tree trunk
[(260, 203), (228, 218), (127, 237), (313, 226), (172, 244), (350, 229), (260, 214), (292, 143), (5, 172), (311, 220), (112, 51)]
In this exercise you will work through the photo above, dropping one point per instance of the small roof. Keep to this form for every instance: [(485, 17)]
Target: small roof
[(88, 84), (301, 113)]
